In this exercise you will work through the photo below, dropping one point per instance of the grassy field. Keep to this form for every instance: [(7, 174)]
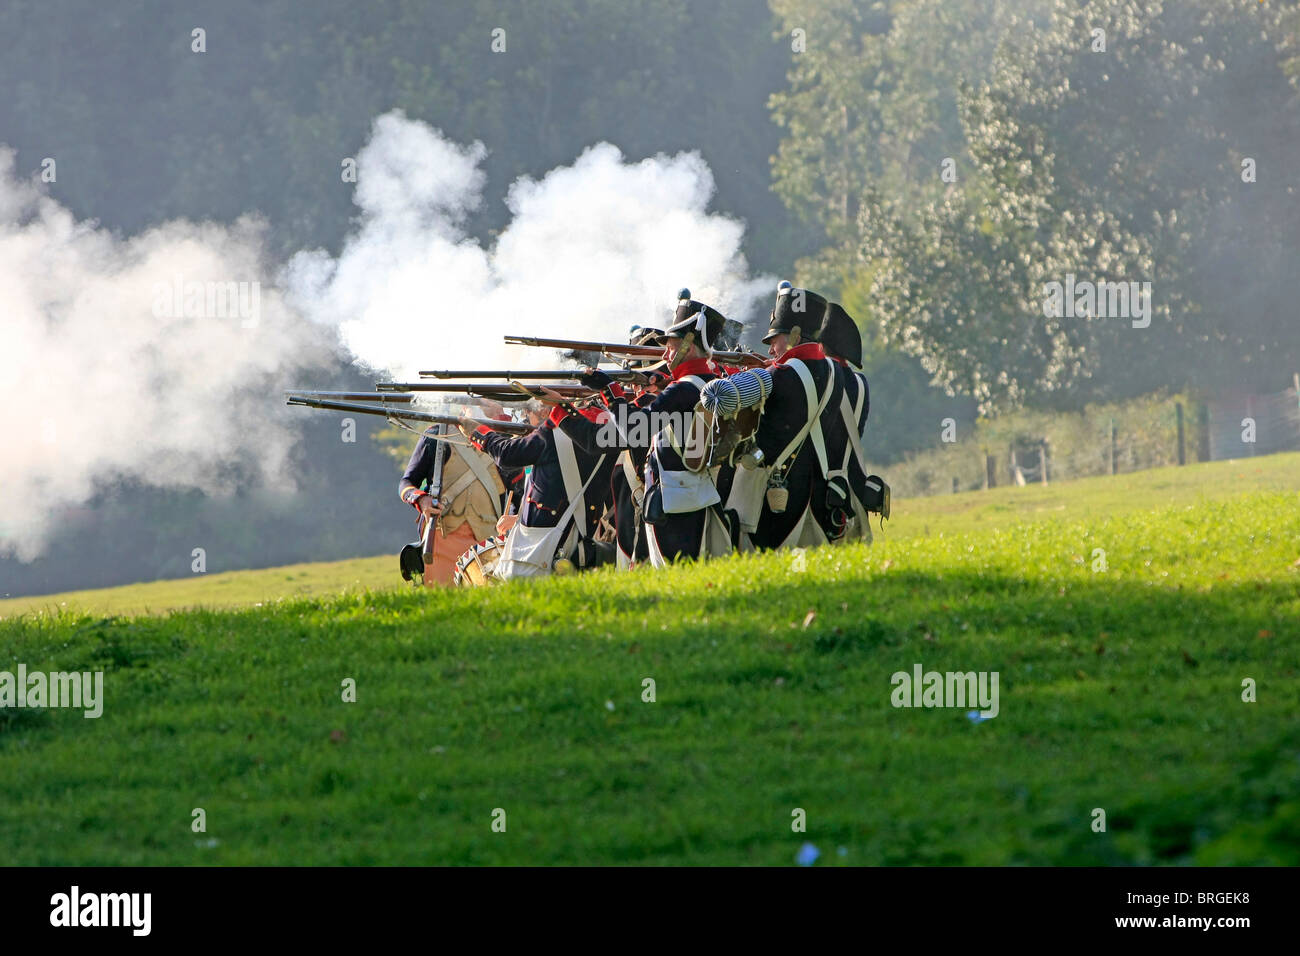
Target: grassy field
[(999, 509), (1119, 689), (227, 589)]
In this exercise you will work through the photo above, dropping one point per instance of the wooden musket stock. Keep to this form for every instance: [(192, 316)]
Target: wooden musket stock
[(614, 350)]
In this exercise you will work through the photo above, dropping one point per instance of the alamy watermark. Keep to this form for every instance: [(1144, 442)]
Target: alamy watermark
[(621, 429), (923, 688), (179, 299), (55, 689), (1101, 300), (75, 908)]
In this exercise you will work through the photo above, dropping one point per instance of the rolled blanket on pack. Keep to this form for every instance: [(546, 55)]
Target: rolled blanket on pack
[(721, 397), (726, 396)]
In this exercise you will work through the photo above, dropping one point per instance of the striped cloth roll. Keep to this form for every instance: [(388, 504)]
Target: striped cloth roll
[(721, 397), (726, 396), (754, 385)]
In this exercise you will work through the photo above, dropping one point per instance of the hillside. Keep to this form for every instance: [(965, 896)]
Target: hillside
[(1000, 508), (1119, 689)]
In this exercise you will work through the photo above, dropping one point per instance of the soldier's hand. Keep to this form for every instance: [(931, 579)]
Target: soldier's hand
[(429, 508), (467, 427), (550, 396), (594, 378), (505, 523)]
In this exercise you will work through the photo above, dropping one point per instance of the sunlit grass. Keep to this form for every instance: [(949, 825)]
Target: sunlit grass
[(1120, 689)]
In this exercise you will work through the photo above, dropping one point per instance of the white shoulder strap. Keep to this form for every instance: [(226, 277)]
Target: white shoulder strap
[(574, 486), (668, 431), (629, 470), (479, 463), (460, 484), (815, 431), (852, 415), (813, 418)]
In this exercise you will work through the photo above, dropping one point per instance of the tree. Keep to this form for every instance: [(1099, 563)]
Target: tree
[(872, 100), (872, 111), (1119, 164)]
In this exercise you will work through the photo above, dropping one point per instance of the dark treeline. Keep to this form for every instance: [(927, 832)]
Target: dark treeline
[(146, 131), (965, 156)]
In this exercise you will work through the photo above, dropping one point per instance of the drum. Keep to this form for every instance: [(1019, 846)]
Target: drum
[(474, 567)]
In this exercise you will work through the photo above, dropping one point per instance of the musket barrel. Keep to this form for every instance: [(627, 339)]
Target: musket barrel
[(352, 396), (540, 374), (742, 359), (441, 386), (545, 375), (379, 396), (514, 428), (577, 345), (430, 386), (509, 390)]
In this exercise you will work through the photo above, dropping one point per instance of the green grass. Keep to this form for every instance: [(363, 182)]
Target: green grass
[(1003, 508), (227, 589), (1119, 690)]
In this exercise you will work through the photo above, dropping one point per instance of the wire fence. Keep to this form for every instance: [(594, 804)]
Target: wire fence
[(1151, 432), (1272, 422)]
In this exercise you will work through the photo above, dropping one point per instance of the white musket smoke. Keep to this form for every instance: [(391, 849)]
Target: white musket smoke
[(161, 358), (158, 359), (591, 250)]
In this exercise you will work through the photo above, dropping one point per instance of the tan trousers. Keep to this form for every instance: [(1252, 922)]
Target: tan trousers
[(447, 550)]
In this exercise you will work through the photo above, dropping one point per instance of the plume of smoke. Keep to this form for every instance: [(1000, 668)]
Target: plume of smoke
[(591, 250), (113, 367), (107, 374)]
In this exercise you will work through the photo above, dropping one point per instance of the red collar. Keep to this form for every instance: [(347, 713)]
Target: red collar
[(558, 414), (696, 366), (806, 351)]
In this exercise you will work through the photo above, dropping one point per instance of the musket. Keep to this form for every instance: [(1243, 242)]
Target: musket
[(615, 350), (542, 375), (399, 397), (612, 349), (434, 522), (351, 396), (409, 414), (501, 391)]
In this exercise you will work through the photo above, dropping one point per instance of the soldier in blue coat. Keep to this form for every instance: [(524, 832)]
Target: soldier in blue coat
[(844, 509), (681, 510), (800, 394), (566, 491)]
